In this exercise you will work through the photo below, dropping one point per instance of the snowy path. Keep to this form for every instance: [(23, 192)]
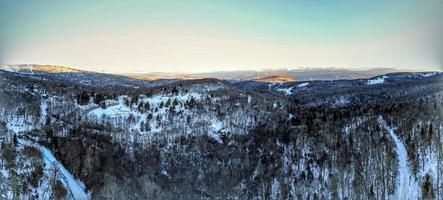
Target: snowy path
[(75, 187), (406, 186), (43, 112)]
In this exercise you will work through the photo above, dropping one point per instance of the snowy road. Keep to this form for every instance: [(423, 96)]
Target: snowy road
[(406, 186), (74, 186)]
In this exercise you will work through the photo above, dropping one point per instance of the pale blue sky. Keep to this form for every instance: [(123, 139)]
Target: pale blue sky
[(120, 36)]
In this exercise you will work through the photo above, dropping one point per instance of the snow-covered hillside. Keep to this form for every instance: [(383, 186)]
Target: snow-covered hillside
[(211, 139)]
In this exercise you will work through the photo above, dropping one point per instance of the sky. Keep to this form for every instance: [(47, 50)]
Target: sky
[(202, 36)]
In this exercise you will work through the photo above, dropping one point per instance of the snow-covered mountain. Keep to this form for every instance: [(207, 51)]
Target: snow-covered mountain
[(120, 138)]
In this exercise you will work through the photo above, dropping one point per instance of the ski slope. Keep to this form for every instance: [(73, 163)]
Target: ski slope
[(378, 80), (406, 186), (285, 91)]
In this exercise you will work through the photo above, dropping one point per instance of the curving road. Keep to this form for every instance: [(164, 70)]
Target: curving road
[(74, 186), (406, 186)]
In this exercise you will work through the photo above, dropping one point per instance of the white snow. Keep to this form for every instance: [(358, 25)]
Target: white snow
[(275, 189), (249, 99), (378, 80), (75, 187), (216, 137), (215, 132), (290, 116), (43, 112), (341, 101), (286, 91), (303, 85), (216, 125), (429, 74), (353, 125), (429, 165), (274, 84), (112, 111), (19, 124), (118, 113), (406, 187)]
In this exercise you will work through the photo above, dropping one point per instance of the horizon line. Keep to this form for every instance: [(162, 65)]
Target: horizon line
[(88, 68)]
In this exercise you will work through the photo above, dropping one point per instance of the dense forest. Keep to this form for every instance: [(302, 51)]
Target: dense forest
[(211, 139)]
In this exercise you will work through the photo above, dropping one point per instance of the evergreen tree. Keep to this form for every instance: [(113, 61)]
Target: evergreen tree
[(168, 103), (147, 106)]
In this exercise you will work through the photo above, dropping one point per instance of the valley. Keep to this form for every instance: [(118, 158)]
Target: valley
[(69, 134)]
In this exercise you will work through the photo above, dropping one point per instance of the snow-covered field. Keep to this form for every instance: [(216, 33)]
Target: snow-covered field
[(378, 80), (119, 112)]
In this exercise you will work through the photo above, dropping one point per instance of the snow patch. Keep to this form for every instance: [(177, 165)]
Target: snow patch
[(303, 85), (378, 80), (275, 189), (19, 123), (43, 111), (286, 91), (117, 110), (429, 74), (274, 84), (215, 132)]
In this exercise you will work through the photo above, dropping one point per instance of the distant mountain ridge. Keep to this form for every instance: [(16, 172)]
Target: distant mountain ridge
[(286, 75), (31, 68), (272, 79), (289, 74)]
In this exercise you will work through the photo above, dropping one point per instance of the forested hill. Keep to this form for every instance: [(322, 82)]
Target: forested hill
[(121, 138)]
